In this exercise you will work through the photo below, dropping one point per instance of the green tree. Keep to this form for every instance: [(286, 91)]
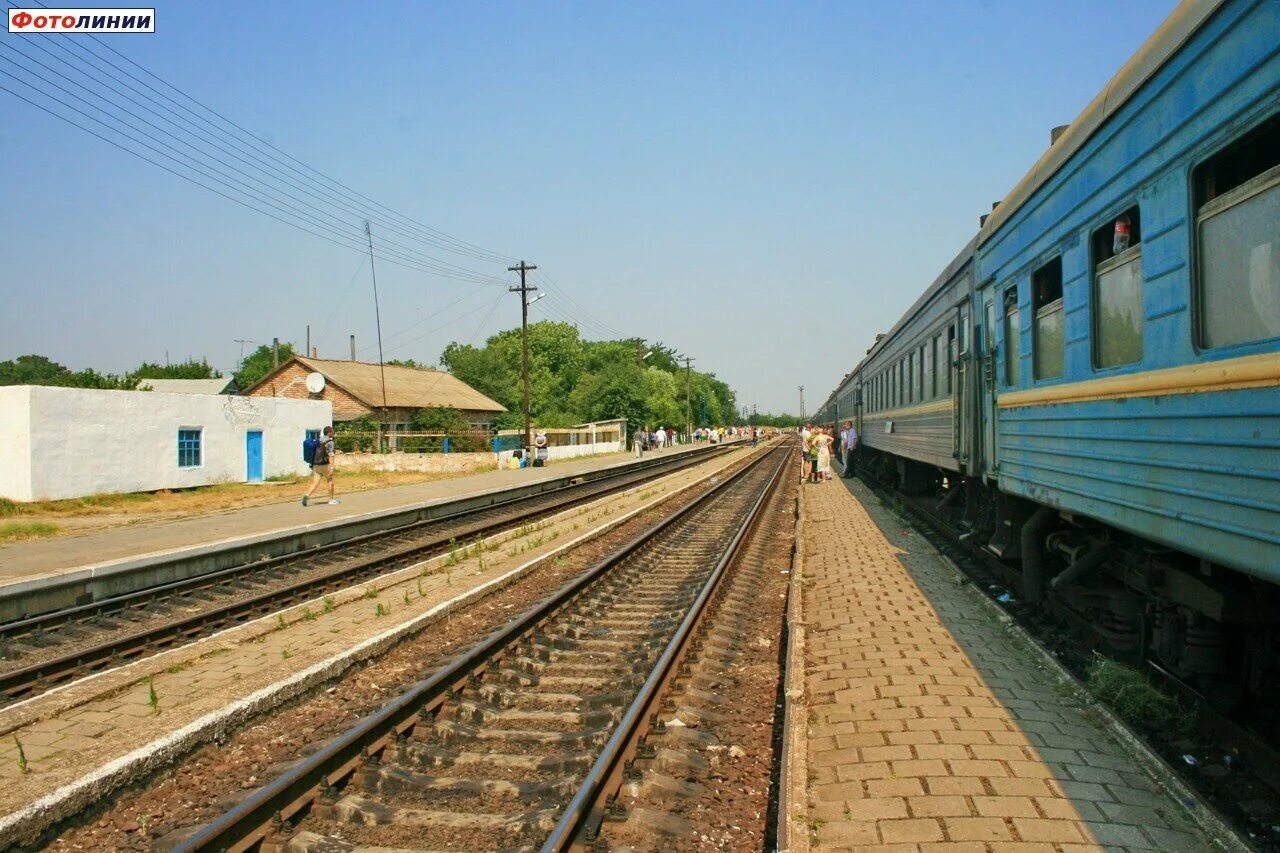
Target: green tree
[(40, 370), (259, 363), (33, 370), (189, 369), (438, 419), (573, 381)]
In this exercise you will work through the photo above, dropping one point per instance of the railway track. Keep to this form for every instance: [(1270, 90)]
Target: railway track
[(524, 740), (43, 651)]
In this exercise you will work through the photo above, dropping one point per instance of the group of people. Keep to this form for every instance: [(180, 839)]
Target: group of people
[(818, 444), (659, 438), (643, 439)]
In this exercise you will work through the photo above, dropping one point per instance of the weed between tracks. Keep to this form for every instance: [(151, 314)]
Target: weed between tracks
[(1135, 699)]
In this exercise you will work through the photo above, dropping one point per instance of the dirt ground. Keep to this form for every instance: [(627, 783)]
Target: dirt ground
[(45, 519)]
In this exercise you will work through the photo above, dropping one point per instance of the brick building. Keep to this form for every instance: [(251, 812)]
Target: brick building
[(355, 390)]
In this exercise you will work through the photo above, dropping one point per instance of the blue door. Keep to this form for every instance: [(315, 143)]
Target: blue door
[(253, 453)]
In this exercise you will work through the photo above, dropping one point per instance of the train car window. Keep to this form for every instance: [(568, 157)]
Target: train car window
[(1237, 198), (1116, 248), (1046, 331), (1012, 338)]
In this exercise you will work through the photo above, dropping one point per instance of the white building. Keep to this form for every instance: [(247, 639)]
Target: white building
[(70, 442)]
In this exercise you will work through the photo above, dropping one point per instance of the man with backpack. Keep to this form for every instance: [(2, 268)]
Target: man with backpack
[(321, 461)]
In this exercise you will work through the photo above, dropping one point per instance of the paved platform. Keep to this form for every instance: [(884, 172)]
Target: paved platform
[(932, 725), (48, 559)]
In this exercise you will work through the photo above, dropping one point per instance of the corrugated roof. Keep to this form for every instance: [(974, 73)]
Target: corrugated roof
[(407, 387), (186, 386), (1181, 24)]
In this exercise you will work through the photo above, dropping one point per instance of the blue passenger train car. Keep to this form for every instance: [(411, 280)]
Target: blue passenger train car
[(1110, 422)]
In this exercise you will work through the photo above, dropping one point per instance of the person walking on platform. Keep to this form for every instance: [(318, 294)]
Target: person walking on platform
[(850, 448), (322, 466), (639, 439)]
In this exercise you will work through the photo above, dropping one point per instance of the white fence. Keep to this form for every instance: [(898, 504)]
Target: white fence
[(581, 440)]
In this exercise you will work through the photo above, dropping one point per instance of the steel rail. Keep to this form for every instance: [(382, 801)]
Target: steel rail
[(18, 683), (293, 792), (585, 812)]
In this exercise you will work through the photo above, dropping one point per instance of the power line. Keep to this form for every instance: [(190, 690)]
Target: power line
[(444, 325), (426, 317), (311, 225), (400, 221), (165, 149)]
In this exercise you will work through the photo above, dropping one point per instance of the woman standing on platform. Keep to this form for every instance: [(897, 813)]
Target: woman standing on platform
[(822, 442)]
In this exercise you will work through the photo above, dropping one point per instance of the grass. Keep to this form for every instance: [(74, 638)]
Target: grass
[(17, 531), (1135, 699), (104, 510)]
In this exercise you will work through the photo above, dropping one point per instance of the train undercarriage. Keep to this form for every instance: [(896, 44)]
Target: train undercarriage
[(1209, 630)]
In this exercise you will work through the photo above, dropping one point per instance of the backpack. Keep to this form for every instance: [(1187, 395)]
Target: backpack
[(321, 456), (309, 446)]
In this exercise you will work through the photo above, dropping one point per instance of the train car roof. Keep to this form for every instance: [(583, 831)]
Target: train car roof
[(1181, 24)]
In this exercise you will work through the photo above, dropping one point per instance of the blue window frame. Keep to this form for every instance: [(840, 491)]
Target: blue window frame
[(313, 433), (189, 450)]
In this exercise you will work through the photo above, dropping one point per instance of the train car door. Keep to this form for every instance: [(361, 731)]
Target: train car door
[(957, 354), (857, 411), (986, 380)]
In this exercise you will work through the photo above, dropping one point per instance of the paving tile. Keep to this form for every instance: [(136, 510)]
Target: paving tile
[(915, 829), (933, 729), (939, 806)]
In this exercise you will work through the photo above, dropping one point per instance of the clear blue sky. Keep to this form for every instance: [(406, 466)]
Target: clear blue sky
[(764, 185)]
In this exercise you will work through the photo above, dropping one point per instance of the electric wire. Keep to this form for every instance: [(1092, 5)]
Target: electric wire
[(332, 236), (429, 234), (231, 182), (168, 116)]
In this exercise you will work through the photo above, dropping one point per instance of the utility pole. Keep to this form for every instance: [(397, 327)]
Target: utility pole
[(523, 290), (377, 319), (802, 402), (307, 351)]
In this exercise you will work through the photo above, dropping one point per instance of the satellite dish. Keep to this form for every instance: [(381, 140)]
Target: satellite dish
[(315, 382)]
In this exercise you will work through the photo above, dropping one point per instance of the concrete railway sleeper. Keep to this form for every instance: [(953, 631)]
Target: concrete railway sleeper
[(486, 752), (43, 651)]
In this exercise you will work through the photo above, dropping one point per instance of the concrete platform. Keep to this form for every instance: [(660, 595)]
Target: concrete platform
[(934, 724), (43, 575)]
